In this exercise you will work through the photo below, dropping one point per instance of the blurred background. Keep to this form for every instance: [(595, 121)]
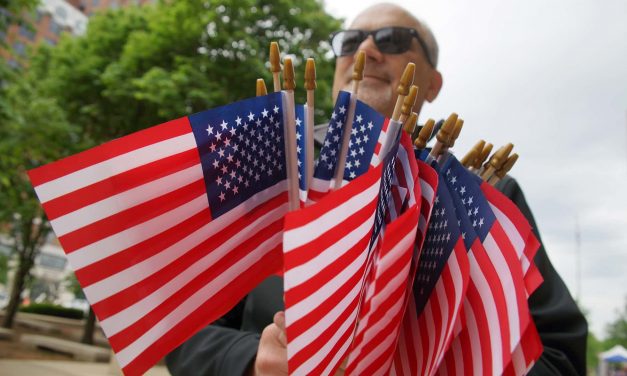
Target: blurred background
[(549, 77)]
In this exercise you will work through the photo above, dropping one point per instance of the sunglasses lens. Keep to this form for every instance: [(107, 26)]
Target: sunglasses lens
[(392, 40), (346, 42)]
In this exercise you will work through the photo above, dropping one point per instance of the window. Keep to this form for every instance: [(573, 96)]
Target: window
[(54, 27), (19, 48), (52, 261), (27, 32)]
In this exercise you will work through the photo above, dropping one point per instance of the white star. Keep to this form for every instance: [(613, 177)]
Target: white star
[(476, 210), (224, 124), (298, 136), (227, 185), (352, 175), (454, 180), (235, 190), (462, 190), (216, 165), (232, 131), (264, 113), (342, 110), (480, 222), (470, 200), (238, 120), (298, 121), (359, 119), (219, 180), (209, 129), (222, 196), (333, 115), (370, 125), (276, 110), (251, 117)]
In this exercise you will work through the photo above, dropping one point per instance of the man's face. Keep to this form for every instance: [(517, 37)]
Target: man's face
[(383, 71)]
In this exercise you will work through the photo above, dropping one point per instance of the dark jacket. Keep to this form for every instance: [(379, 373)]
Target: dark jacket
[(228, 347)]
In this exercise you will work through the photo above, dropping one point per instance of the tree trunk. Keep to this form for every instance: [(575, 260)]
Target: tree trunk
[(16, 293), (88, 330)]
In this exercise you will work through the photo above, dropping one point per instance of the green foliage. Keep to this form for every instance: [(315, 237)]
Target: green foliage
[(4, 267), (617, 330), (138, 67), (53, 310), (594, 347), (74, 286)]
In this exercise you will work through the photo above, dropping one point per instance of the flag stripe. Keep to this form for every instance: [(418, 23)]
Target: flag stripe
[(111, 149)]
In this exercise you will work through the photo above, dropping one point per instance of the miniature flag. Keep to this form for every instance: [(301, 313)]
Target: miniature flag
[(170, 227), (301, 151)]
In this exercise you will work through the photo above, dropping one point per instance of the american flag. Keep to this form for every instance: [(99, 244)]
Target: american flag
[(170, 227), (326, 246), (301, 150), (367, 134), (496, 295)]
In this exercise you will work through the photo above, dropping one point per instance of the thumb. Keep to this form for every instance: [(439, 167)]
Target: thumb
[(279, 321)]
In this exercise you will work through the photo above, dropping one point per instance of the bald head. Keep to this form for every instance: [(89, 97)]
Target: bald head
[(383, 71)]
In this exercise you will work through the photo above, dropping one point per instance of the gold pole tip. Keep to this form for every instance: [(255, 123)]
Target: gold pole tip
[(458, 129), (507, 166), (289, 82), (310, 74), (275, 58), (410, 123), (410, 101), (358, 68), (424, 134), (406, 79), (483, 155), (447, 129), (261, 87)]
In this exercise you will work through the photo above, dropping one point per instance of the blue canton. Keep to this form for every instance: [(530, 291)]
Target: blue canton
[(301, 134), (384, 193), (325, 165), (367, 126), (241, 149)]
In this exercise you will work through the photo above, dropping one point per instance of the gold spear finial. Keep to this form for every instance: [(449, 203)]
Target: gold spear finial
[(358, 70), (310, 75), (497, 160), (423, 136), (456, 131), (410, 123), (275, 65), (289, 83), (447, 129), (471, 156), (507, 166), (409, 102), (261, 87), (403, 89), (487, 149)]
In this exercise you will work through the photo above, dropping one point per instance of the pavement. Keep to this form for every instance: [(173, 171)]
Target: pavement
[(10, 367)]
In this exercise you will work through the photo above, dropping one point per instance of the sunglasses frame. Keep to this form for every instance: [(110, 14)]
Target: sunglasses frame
[(364, 34)]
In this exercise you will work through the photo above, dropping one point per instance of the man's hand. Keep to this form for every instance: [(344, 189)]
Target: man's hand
[(272, 352)]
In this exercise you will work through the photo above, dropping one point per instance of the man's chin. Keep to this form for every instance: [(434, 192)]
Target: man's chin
[(375, 93)]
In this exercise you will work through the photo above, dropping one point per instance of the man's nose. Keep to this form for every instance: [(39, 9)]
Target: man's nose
[(370, 48)]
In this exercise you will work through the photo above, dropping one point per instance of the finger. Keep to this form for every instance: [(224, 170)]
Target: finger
[(279, 321)]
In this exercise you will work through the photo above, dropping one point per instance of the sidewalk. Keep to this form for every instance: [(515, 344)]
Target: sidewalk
[(11, 367)]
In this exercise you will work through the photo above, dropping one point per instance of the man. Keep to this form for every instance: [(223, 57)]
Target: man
[(391, 37)]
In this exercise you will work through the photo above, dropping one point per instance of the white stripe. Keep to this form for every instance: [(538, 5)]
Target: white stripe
[(320, 185), (116, 165), (415, 330), (384, 345), (302, 235), (341, 353), (131, 314), (518, 361), (510, 229), (138, 272), (409, 179), (458, 357), (402, 345), (304, 340), (509, 289), (122, 201), (475, 343), (183, 310), (491, 314), (427, 191), (444, 308), (122, 240), (428, 317), (305, 306)]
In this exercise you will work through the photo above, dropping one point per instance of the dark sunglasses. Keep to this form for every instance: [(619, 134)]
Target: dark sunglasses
[(389, 40)]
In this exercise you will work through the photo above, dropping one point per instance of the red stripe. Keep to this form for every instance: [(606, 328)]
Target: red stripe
[(206, 313), (305, 253), (249, 245), (300, 218), (131, 217), (120, 183), (483, 329), (124, 298), (118, 262), (293, 297), (109, 150)]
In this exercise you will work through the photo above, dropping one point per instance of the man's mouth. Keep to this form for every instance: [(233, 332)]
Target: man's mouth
[(376, 78)]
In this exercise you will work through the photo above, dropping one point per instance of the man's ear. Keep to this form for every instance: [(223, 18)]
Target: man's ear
[(435, 86)]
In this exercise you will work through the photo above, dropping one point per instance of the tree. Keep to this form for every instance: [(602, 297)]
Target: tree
[(617, 330)]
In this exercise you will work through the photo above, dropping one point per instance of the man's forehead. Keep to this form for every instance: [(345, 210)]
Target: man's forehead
[(382, 16)]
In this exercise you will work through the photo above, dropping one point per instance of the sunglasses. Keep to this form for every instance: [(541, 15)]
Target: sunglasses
[(389, 40)]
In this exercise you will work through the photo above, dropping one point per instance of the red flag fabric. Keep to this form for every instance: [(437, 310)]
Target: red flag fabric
[(170, 227), (325, 251)]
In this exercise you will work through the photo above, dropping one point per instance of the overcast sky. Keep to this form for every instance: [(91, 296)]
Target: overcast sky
[(550, 77)]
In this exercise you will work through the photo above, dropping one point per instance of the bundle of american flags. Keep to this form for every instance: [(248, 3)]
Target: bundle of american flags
[(410, 264)]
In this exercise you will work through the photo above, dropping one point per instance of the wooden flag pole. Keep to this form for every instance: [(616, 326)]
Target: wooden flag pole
[(310, 86), (497, 161), (408, 103), (358, 75), (507, 166), (425, 133), (275, 65), (443, 135), (291, 158), (261, 88)]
